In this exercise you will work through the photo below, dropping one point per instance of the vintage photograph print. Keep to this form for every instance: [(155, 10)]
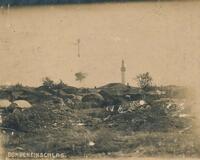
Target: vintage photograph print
[(99, 80)]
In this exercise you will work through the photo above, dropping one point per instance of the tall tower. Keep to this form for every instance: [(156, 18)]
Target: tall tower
[(123, 70)]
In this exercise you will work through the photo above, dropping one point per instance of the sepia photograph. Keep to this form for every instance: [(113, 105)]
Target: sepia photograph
[(99, 79)]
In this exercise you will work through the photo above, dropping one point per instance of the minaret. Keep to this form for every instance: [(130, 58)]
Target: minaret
[(123, 70)]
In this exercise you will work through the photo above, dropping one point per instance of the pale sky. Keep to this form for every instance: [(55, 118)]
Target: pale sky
[(161, 38)]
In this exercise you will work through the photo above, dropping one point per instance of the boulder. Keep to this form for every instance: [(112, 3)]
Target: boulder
[(142, 102), (109, 99), (22, 103), (94, 97), (77, 98), (45, 93), (57, 101), (4, 103), (11, 108)]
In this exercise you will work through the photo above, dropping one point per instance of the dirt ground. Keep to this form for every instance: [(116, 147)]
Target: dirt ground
[(136, 158), (121, 158)]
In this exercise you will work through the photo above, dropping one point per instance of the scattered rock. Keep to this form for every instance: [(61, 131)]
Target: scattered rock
[(22, 104), (4, 103), (142, 102), (91, 143)]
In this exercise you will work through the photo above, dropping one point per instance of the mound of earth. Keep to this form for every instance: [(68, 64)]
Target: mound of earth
[(118, 89)]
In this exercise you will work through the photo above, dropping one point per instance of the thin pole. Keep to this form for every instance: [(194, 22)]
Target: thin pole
[(78, 44)]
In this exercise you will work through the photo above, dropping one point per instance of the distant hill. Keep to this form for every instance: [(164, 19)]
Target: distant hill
[(120, 89)]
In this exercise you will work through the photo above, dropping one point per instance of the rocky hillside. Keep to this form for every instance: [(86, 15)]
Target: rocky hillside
[(106, 120)]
